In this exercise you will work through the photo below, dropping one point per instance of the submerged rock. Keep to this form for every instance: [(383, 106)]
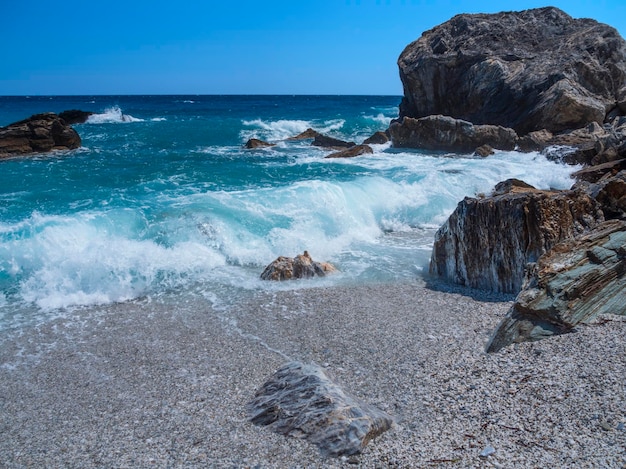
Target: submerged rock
[(352, 152), (301, 401), (443, 133), (528, 70), (256, 143), (308, 133), (39, 133), (377, 138), (301, 266), (574, 282), (487, 242), (330, 142)]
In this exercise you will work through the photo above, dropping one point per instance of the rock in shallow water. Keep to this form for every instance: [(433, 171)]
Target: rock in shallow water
[(299, 400), (301, 266)]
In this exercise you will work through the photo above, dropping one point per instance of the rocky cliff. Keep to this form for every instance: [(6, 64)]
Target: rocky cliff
[(528, 70)]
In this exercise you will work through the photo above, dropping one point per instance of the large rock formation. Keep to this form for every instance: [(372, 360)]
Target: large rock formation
[(442, 133), (487, 242), (573, 283), (38, 134), (301, 266), (529, 70), (301, 401)]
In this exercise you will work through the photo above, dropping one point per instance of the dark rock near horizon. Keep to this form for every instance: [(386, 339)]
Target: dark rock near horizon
[(352, 152), (573, 283), (330, 142), (444, 133), (75, 116), (378, 138), (39, 133), (308, 133), (529, 70), (256, 143), (301, 266), (300, 400), (487, 242)]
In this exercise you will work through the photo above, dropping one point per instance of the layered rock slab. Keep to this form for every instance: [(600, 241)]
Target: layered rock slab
[(487, 242), (301, 401), (528, 70), (576, 281), (39, 133)]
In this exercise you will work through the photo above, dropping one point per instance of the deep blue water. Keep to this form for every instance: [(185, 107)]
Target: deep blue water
[(162, 197)]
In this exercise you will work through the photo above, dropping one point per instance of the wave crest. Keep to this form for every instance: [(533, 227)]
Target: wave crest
[(112, 115)]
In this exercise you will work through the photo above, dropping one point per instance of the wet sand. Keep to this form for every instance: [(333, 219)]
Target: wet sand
[(165, 383)]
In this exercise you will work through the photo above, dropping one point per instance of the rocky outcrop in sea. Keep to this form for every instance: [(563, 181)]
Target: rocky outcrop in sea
[(39, 133)]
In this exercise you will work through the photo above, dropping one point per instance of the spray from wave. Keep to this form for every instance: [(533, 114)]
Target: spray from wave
[(112, 115)]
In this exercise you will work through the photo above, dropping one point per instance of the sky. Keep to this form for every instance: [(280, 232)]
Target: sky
[(76, 47)]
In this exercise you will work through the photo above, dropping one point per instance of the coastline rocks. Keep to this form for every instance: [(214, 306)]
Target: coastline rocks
[(487, 242), (573, 283), (300, 401), (351, 152), (330, 142), (256, 143), (529, 70), (301, 266), (39, 133), (377, 138), (444, 133), (75, 116), (308, 133)]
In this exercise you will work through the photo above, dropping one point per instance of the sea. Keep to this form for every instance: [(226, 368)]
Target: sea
[(162, 202)]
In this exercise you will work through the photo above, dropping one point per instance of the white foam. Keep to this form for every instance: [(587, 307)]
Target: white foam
[(284, 128), (112, 115)]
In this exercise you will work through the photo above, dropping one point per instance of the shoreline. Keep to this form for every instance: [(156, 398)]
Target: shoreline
[(164, 384)]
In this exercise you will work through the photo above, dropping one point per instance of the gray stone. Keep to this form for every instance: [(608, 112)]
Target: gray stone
[(299, 400), (528, 70), (574, 282)]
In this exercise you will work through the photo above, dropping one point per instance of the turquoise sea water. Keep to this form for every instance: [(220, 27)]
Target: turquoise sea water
[(162, 199)]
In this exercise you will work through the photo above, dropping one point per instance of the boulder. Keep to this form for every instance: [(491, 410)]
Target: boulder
[(75, 116), (527, 70), (444, 133), (377, 138), (571, 284), (301, 266), (256, 143), (352, 152), (484, 151), (308, 133), (610, 193), (38, 134), (301, 401), (597, 172), (330, 142), (487, 242)]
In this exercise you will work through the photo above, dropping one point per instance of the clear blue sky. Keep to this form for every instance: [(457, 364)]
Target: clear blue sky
[(229, 46)]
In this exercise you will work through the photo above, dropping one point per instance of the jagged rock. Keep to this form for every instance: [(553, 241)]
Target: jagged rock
[(302, 266), (443, 133), (256, 143), (330, 142), (377, 138), (301, 401), (529, 70), (39, 133), (352, 152), (308, 133), (75, 116), (610, 193), (484, 151), (573, 283), (487, 242), (596, 172)]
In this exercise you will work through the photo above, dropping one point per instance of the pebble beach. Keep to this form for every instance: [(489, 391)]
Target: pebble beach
[(164, 383)]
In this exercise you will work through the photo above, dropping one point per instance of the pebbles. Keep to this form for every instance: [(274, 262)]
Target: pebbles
[(117, 389)]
